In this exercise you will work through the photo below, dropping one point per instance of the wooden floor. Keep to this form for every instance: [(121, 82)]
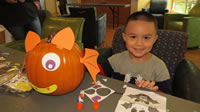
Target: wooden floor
[(191, 54)]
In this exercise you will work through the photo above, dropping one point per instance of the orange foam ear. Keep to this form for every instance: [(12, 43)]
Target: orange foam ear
[(64, 39), (32, 39)]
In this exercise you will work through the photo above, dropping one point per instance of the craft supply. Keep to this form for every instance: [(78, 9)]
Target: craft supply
[(95, 105), (124, 86), (5, 64), (2, 58), (105, 80), (139, 78), (135, 100), (98, 92), (79, 105), (18, 83), (6, 77), (127, 77)]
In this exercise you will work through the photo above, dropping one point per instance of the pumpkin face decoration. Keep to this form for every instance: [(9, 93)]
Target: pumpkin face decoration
[(57, 66)]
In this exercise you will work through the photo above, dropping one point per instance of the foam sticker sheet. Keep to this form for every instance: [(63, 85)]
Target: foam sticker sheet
[(98, 92), (134, 100)]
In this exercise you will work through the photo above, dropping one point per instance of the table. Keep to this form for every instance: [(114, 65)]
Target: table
[(112, 7), (35, 102)]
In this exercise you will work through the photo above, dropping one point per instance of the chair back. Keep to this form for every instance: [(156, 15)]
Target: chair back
[(158, 6), (170, 46), (55, 24), (90, 26)]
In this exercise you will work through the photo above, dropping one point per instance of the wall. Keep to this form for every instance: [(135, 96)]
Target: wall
[(42, 4), (146, 4), (137, 5), (123, 12), (52, 6), (170, 3), (179, 0), (143, 4)]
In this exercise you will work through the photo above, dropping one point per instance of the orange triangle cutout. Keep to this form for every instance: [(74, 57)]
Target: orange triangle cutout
[(32, 39), (64, 38)]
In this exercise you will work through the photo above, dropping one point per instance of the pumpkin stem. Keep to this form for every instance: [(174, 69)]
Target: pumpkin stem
[(50, 37)]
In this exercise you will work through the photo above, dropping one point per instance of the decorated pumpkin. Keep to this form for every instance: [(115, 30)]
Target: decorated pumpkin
[(56, 65)]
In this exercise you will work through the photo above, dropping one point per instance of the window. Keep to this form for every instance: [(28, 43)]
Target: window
[(183, 6)]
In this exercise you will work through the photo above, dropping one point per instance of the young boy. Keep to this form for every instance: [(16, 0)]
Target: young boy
[(140, 33)]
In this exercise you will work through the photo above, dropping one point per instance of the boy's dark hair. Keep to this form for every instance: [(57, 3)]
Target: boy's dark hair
[(141, 15)]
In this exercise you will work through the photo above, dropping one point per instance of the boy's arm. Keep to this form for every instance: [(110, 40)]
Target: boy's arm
[(164, 86), (163, 78)]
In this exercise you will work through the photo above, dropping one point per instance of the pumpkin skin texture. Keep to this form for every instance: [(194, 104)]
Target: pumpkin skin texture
[(67, 76)]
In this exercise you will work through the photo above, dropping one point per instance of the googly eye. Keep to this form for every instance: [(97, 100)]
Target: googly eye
[(51, 61)]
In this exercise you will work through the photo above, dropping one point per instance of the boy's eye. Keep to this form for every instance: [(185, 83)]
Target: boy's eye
[(132, 36), (146, 37)]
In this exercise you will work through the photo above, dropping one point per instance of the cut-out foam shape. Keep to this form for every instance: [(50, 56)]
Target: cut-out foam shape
[(90, 61), (127, 77), (23, 86), (61, 41), (96, 86), (90, 91), (139, 78), (32, 39), (101, 92), (46, 90), (105, 80)]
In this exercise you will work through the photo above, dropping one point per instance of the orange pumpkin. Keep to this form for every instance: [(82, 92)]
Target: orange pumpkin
[(56, 65), (68, 75)]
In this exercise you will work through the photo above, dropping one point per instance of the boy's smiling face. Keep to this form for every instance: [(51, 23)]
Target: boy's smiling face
[(140, 36)]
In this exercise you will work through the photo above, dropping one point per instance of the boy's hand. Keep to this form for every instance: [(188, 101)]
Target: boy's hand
[(147, 84)]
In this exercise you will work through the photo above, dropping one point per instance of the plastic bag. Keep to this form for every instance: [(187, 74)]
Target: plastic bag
[(12, 81)]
